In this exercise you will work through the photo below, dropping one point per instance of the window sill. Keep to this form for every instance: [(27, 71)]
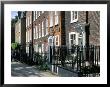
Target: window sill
[(74, 21), (51, 26)]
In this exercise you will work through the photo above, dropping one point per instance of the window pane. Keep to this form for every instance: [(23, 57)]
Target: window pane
[(30, 19), (42, 29), (75, 13), (39, 31), (46, 26), (50, 41), (26, 22), (36, 33), (36, 14), (51, 21), (56, 43), (74, 36), (51, 18), (71, 42), (57, 38), (71, 36)]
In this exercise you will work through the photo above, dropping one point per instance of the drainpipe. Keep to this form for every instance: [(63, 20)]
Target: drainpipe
[(32, 36), (87, 36)]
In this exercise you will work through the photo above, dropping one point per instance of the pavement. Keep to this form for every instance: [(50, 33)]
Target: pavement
[(23, 70)]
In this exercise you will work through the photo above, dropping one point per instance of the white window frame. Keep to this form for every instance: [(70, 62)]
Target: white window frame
[(30, 19), (26, 22), (56, 17), (76, 41), (27, 49), (36, 47), (39, 31), (51, 20), (36, 15), (74, 19), (34, 31), (46, 32), (56, 41), (26, 36), (42, 28), (42, 47), (50, 38), (30, 34)]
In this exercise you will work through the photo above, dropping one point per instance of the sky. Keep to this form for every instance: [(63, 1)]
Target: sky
[(13, 14)]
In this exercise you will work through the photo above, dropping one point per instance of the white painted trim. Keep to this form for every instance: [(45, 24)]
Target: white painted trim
[(75, 38), (42, 28), (51, 19), (73, 19), (36, 15), (84, 39), (36, 32), (52, 38), (39, 30), (46, 31), (58, 40)]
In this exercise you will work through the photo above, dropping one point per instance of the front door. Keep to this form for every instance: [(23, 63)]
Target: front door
[(50, 46)]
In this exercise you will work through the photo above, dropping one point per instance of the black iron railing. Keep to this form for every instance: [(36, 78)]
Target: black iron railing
[(75, 59)]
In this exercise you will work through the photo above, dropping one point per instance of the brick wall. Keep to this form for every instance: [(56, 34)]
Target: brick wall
[(93, 19)]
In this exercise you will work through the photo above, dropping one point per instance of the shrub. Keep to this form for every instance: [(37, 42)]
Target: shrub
[(14, 46), (41, 61)]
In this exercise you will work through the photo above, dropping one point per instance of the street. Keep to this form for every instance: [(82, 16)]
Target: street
[(22, 70)]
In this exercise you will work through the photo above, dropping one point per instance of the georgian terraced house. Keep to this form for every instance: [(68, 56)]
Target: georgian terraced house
[(48, 28), (75, 26), (20, 30), (36, 31), (28, 30)]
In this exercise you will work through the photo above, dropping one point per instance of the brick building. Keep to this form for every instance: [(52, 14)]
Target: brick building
[(28, 30), (40, 31), (20, 30), (75, 22), (46, 29), (60, 28)]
